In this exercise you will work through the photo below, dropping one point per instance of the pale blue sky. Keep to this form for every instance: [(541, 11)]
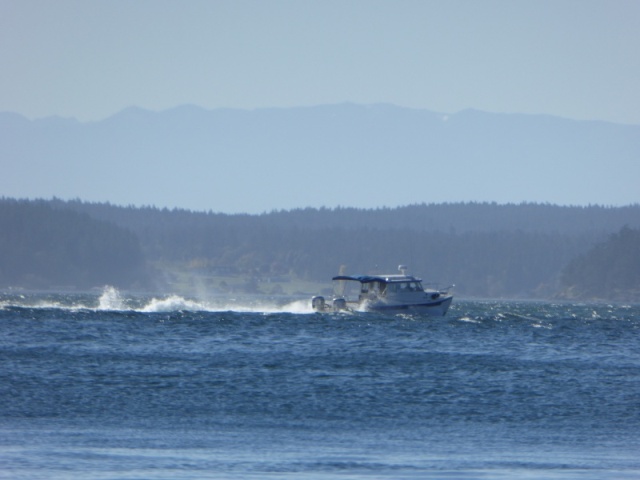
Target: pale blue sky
[(90, 59)]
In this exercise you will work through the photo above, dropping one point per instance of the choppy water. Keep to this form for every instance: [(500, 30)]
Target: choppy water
[(110, 387)]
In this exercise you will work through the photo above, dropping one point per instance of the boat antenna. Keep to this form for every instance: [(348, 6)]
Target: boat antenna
[(403, 269)]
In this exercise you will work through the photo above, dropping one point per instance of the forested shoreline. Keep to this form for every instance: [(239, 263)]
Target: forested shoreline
[(46, 248), (487, 250), (610, 270)]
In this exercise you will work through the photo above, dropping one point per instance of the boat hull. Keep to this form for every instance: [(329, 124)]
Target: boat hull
[(437, 307)]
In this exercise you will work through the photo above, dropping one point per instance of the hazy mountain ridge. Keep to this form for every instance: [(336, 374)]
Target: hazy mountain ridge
[(357, 155)]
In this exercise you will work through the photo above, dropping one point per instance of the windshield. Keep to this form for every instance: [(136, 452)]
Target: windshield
[(377, 288), (404, 287)]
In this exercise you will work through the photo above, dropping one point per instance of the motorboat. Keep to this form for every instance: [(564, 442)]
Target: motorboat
[(384, 292)]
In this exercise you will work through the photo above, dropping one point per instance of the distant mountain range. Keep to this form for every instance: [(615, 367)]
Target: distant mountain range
[(351, 155)]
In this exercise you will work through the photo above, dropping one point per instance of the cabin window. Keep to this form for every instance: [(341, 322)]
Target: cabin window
[(377, 287), (409, 287)]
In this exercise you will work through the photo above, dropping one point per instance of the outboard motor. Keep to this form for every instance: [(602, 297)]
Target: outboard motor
[(317, 303), (339, 304)]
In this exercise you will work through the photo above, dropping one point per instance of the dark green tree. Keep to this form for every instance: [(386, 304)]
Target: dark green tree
[(610, 270)]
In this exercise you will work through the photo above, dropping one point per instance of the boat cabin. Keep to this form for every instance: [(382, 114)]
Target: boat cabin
[(379, 286)]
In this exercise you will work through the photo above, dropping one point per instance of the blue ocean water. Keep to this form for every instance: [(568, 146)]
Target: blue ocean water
[(108, 387)]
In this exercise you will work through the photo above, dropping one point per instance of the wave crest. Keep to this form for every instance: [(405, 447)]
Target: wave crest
[(111, 299)]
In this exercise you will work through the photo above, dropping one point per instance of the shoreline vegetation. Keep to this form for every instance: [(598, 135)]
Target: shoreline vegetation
[(511, 252)]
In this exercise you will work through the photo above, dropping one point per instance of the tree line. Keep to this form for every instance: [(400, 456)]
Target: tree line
[(42, 247), (609, 270), (487, 250)]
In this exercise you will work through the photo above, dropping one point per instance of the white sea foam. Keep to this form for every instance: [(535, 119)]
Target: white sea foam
[(298, 306), (468, 319), (172, 303), (110, 299)]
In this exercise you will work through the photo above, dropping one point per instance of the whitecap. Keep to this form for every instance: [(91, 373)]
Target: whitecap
[(468, 319), (173, 303), (110, 299)]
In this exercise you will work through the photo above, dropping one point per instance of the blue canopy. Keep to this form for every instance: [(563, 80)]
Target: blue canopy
[(375, 278), (360, 278)]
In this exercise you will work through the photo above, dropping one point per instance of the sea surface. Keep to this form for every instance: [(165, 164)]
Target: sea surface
[(106, 386)]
